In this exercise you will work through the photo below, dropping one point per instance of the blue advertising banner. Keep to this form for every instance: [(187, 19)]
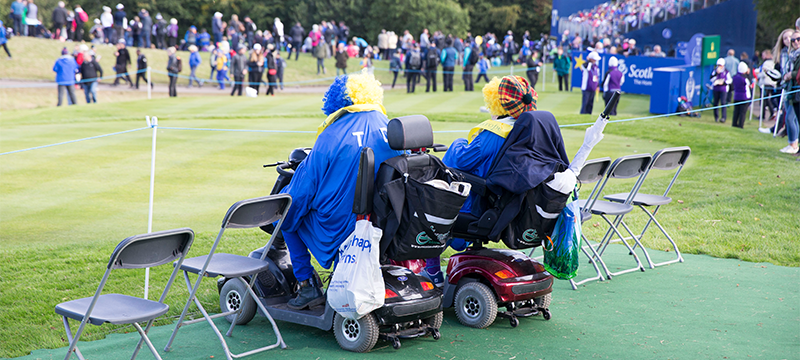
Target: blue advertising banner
[(638, 70)]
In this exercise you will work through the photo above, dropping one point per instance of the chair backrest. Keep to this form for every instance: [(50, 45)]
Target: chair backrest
[(594, 170), (256, 212), (625, 167), (153, 249), (670, 159)]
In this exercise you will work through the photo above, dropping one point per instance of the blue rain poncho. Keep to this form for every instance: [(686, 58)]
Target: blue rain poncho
[(324, 185)]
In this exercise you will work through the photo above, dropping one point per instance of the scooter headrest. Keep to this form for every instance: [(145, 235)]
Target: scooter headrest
[(409, 132)]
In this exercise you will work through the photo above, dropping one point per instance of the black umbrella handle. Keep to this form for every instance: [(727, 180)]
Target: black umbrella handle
[(611, 104)]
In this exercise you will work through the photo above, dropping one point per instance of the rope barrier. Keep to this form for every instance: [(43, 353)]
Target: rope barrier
[(314, 132), (72, 141), (82, 81)]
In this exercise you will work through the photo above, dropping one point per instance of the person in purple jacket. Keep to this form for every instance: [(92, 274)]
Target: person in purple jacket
[(741, 94), (65, 68), (590, 81), (720, 78), (612, 82)]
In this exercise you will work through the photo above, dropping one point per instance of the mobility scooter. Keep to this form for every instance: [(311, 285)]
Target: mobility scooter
[(413, 305)]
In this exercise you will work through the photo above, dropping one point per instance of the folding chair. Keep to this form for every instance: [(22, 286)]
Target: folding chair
[(244, 214), (625, 167), (135, 252), (667, 159), (591, 172)]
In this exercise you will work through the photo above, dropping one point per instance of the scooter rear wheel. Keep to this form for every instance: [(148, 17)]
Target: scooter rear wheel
[(356, 335), (475, 305), (232, 298)]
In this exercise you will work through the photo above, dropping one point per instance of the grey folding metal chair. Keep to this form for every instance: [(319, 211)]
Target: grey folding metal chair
[(244, 214), (666, 159), (135, 252), (625, 167), (592, 172)]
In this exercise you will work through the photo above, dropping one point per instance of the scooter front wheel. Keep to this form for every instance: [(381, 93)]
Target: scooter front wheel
[(356, 335), (232, 298), (475, 305)]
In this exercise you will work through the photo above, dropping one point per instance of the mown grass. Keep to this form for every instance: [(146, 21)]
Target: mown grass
[(64, 208)]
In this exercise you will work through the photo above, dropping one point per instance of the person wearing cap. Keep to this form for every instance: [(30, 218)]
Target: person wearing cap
[(96, 32), (172, 32), (741, 95), (107, 20), (321, 217), (589, 82), (65, 68), (720, 79), (216, 27), (255, 67), (612, 82), (239, 69), (123, 60), (119, 24), (90, 72), (632, 49), (190, 38), (194, 62)]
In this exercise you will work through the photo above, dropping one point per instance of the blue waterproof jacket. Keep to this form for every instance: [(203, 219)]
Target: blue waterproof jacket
[(324, 184), (449, 56), (3, 38), (194, 60), (475, 158), (65, 69)]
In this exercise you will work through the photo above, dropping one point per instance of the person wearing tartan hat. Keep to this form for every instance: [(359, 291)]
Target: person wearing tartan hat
[(516, 95)]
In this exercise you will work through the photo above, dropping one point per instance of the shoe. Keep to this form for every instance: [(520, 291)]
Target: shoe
[(308, 296), (764, 130), (723, 120), (789, 150), (716, 120), (436, 278)]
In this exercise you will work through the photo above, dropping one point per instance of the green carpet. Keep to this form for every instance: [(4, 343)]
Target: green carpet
[(704, 308)]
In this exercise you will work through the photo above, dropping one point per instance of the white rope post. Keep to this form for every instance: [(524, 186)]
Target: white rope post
[(149, 83), (761, 107), (544, 76), (778, 117), (752, 99), (154, 125)]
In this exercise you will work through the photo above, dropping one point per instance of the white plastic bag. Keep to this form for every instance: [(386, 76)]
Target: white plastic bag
[(250, 92), (357, 288)]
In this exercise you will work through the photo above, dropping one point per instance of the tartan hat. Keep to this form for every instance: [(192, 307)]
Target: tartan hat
[(516, 95)]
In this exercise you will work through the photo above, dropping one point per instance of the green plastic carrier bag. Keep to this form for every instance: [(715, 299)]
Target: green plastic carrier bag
[(561, 258)]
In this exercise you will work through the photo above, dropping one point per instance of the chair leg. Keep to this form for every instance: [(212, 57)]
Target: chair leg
[(73, 343), (639, 244), (147, 341), (635, 257), (192, 293), (594, 263), (679, 257)]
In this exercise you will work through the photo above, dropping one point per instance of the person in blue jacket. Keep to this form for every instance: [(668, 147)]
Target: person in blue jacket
[(65, 68), (194, 62), (4, 38), (449, 56), (323, 186)]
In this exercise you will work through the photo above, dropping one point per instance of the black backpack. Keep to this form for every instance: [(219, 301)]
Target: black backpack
[(400, 202), (433, 59), (414, 60), (473, 57)]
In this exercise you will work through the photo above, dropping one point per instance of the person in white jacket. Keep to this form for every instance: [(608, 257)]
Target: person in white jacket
[(107, 20)]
